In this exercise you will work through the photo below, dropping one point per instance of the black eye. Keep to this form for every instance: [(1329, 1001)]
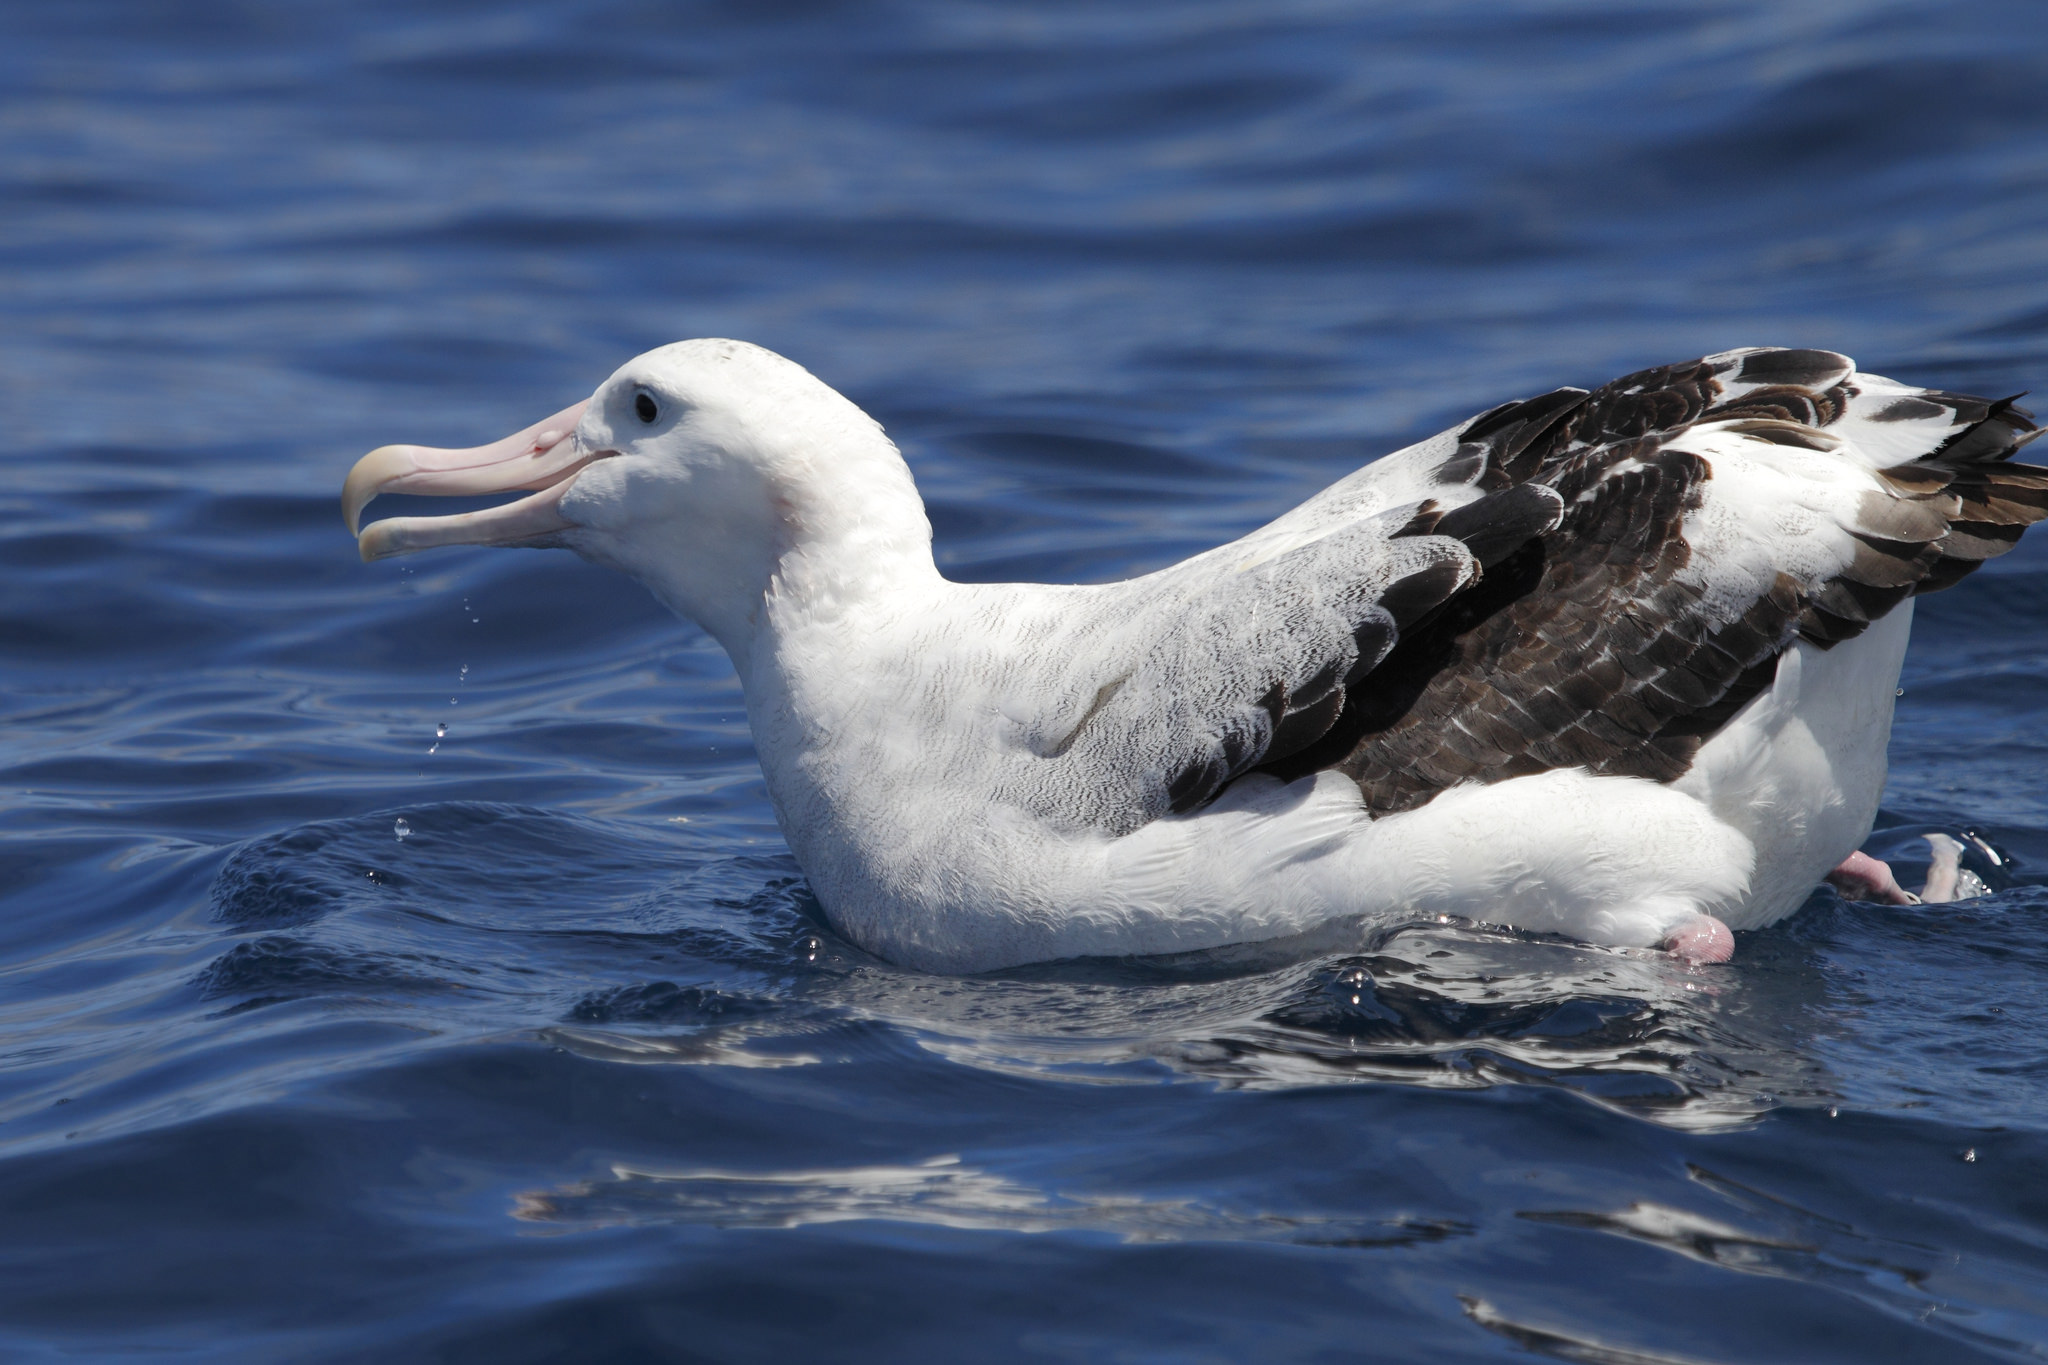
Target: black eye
[(644, 405)]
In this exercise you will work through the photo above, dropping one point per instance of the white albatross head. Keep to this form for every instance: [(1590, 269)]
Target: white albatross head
[(713, 471)]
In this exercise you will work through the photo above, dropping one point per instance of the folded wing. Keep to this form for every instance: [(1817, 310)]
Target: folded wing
[(1593, 580)]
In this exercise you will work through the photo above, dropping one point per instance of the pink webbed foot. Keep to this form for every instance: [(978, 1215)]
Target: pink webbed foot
[(1863, 878), (1700, 939)]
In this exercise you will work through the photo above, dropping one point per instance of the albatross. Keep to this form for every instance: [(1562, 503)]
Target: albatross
[(1616, 664)]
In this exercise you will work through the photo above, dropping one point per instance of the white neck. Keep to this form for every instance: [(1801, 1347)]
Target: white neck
[(790, 506), (816, 561)]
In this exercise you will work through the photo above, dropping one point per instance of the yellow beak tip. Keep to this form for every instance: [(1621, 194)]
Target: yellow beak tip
[(380, 467)]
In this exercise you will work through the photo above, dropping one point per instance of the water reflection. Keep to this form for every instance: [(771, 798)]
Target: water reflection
[(940, 1192), (1442, 1005), (1789, 1242)]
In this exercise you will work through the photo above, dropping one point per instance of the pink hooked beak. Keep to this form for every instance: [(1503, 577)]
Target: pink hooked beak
[(545, 456)]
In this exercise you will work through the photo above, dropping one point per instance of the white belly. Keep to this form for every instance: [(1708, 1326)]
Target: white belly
[(1772, 803), (1798, 772)]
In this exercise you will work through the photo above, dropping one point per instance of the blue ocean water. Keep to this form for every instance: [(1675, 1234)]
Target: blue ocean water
[(327, 1033)]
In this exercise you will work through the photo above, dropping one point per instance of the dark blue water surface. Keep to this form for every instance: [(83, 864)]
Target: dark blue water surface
[(575, 1070)]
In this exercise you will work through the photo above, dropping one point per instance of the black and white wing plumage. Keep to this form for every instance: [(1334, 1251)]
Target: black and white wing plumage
[(1715, 512), (1172, 686), (1595, 580)]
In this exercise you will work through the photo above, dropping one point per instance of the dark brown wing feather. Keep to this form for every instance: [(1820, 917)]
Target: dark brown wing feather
[(1581, 646)]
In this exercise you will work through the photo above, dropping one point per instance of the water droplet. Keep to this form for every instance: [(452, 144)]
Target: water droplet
[(400, 828), (1969, 1154), (441, 730), (1354, 999), (1833, 1112), (1900, 693)]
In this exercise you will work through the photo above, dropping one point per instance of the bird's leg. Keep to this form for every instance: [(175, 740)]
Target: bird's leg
[(1863, 878), (1700, 939)]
